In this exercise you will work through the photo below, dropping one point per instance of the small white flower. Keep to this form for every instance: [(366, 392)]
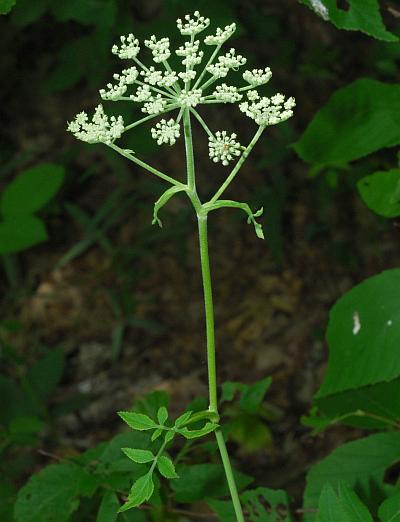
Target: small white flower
[(190, 52), (253, 95), (143, 94), (160, 48), (113, 92), (229, 61), (221, 35), (192, 26), (129, 47), (101, 129), (269, 111), (190, 98), (320, 9), (168, 79), (257, 77), (227, 93), (224, 148), (218, 70), (187, 76), (152, 76), (166, 132), (155, 105)]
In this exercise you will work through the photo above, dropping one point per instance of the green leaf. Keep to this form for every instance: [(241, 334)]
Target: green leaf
[(381, 192), (26, 12), (111, 458), (359, 119), (156, 433), (162, 415), (45, 375), (209, 427), (24, 430), (389, 510), (6, 6), (141, 491), (344, 506), (251, 395), (21, 232), (51, 495), (109, 506), (139, 456), (361, 464), (182, 419), (200, 481), (137, 421), (101, 13), (166, 467), (256, 500), (31, 190), (7, 498), (164, 198), (361, 15), (364, 368)]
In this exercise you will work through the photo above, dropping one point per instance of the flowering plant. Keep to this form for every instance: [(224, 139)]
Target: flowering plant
[(161, 90)]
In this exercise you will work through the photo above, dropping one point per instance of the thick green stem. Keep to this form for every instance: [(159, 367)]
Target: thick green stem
[(191, 176)]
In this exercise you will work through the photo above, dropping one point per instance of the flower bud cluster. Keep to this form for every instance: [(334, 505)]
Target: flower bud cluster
[(268, 111), (227, 93), (166, 132), (224, 147), (192, 26), (221, 35), (101, 129), (129, 47), (190, 52), (159, 48), (257, 77), (229, 61), (114, 92), (190, 98)]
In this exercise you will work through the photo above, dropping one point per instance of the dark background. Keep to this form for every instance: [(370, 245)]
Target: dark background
[(123, 298)]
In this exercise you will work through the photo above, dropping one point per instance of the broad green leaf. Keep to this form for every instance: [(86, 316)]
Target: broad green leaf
[(389, 510), (344, 506), (361, 464), (138, 455), (45, 375), (109, 506), (141, 491), (381, 192), (209, 427), (363, 336), (31, 189), (51, 495), (137, 421), (21, 232), (200, 481), (151, 403), (251, 395), (6, 6), (166, 467), (361, 15), (357, 120), (162, 415)]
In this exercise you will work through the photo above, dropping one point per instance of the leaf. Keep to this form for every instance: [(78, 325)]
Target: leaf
[(364, 335), (162, 415), (357, 120), (137, 421), (24, 430), (166, 467), (381, 192), (31, 190), (139, 456), (111, 458), (389, 510), (344, 506), (141, 491), (251, 395), (164, 198), (361, 15), (108, 510), (194, 434), (182, 419), (45, 375), (7, 497), (21, 232), (156, 433), (51, 495), (361, 464), (101, 13), (6, 6), (26, 12), (267, 505), (199, 481)]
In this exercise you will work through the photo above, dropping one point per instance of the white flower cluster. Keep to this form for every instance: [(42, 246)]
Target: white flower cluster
[(166, 132), (221, 35), (160, 78), (227, 93), (268, 111), (187, 76), (101, 129), (159, 48), (129, 47), (223, 148), (192, 26), (155, 105), (114, 92), (257, 77), (190, 98), (190, 52), (229, 61)]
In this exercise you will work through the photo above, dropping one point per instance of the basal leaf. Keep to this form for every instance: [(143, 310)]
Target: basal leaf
[(361, 15), (166, 467), (381, 192), (343, 505), (21, 232), (31, 189), (357, 120), (360, 464), (389, 510), (138, 455), (141, 491), (137, 421)]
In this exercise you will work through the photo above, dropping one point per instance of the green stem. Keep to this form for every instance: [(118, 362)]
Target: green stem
[(202, 122), (191, 176)]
